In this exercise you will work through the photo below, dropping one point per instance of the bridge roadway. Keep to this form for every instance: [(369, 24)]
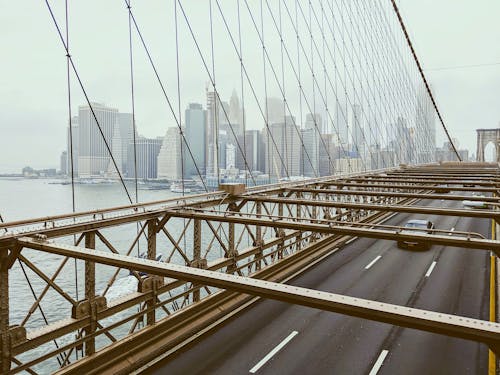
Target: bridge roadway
[(327, 343)]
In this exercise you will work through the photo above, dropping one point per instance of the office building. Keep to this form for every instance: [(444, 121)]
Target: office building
[(425, 127), (169, 156), (284, 149), (93, 154), (147, 150), (196, 139), (255, 153)]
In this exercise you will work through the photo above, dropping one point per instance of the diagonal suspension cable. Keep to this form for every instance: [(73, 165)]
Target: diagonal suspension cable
[(80, 82), (162, 87), (217, 93)]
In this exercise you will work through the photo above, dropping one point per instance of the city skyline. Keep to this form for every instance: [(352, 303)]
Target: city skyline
[(286, 147)]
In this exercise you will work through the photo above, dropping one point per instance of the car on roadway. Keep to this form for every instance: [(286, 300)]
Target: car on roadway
[(442, 189), (475, 204), (416, 226)]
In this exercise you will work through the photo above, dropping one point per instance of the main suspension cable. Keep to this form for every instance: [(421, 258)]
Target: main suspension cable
[(420, 70)]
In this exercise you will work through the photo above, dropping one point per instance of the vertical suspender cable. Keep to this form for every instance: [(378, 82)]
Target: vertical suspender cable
[(270, 162), (216, 102), (71, 154), (181, 132), (132, 97), (80, 82), (181, 138), (243, 102), (299, 82), (131, 58)]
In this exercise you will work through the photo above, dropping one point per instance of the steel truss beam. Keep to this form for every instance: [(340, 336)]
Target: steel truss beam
[(408, 187), (419, 181), (486, 214), (343, 228), (394, 194), (432, 177), (446, 324)]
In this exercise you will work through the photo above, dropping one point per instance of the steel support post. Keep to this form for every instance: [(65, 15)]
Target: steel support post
[(298, 239), (281, 232), (152, 230), (5, 346), (196, 251), (314, 217), (90, 295), (258, 237), (231, 248)]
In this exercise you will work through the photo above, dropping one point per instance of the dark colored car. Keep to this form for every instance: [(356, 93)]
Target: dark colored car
[(410, 227)]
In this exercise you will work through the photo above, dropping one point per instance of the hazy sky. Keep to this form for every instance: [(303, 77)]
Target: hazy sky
[(456, 33), (33, 91)]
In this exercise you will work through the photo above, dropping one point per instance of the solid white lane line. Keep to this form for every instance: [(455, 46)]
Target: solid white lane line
[(379, 362), (352, 239), (373, 262), (431, 268), (269, 355)]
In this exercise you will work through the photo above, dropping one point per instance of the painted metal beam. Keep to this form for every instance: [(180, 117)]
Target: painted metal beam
[(343, 228), (486, 214), (410, 180), (410, 187), (450, 325), (395, 194)]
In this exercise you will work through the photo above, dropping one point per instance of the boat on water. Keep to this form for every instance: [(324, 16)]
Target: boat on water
[(178, 188), (97, 181)]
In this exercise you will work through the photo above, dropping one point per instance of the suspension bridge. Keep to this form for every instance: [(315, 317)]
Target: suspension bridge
[(301, 261)]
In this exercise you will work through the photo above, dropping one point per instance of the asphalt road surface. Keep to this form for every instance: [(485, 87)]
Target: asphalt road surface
[(278, 338)]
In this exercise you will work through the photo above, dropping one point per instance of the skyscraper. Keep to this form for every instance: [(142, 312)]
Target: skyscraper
[(328, 153), (224, 126), (64, 163), (147, 150), (341, 123), (310, 149), (254, 152), (169, 156), (196, 138), (425, 127), (230, 156), (285, 150), (126, 131), (93, 155), (403, 141), (213, 124), (236, 114), (117, 151), (275, 110), (356, 125), (75, 134)]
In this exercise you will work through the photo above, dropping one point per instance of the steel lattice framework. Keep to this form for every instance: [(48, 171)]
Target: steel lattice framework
[(218, 246)]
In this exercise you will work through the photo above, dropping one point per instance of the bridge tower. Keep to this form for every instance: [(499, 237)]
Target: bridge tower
[(485, 136)]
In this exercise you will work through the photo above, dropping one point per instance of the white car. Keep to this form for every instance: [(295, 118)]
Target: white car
[(410, 227), (475, 204)]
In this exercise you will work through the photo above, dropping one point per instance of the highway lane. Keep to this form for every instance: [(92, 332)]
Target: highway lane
[(332, 343)]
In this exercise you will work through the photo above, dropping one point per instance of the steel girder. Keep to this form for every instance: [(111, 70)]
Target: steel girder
[(450, 325)]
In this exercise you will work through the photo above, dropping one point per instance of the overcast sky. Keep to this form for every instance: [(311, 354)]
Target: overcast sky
[(33, 93), (456, 33)]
